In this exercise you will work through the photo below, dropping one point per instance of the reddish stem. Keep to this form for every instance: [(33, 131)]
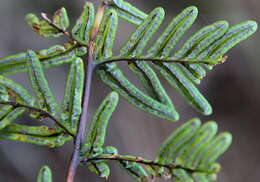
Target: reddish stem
[(75, 159)]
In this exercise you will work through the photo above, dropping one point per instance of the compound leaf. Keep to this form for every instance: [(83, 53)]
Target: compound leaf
[(194, 149), (128, 12)]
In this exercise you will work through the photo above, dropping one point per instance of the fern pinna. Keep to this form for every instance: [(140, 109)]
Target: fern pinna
[(188, 154)]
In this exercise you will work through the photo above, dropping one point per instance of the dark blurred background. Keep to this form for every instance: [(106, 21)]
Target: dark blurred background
[(232, 89)]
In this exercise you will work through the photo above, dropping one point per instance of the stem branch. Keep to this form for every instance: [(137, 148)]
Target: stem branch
[(89, 69), (133, 59), (66, 33), (42, 112), (140, 160), (75, 160)]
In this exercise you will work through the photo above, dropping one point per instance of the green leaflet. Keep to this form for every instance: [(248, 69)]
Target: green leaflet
[(135, 170), (61, 19), (30, 130), (4, 95), (8, 113), (5, 110), (45, 174), (139, 39), (196, 44), (19, 93), (100, 168), (233, 36), (12, 59), (50, 52), (11, 116), (46, 99), (41, 27), (53, 56), (49, 141), (114, 78), (110, 150), (81, 31), (180, 175), (177, 140), (211, 152), (71, 105), (106, 35), (97, 130), (128, 12), (200, 177), (211, 177)]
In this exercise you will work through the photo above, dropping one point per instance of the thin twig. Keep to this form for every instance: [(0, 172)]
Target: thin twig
[(140, 160), (89, 69), (133, 59), (42, 112), (66, 33), (75, 159), (130, 159)]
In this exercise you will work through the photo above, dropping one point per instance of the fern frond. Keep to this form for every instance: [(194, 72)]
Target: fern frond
[(209, 43), (128, 12), (194, 147), (181, 75)]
